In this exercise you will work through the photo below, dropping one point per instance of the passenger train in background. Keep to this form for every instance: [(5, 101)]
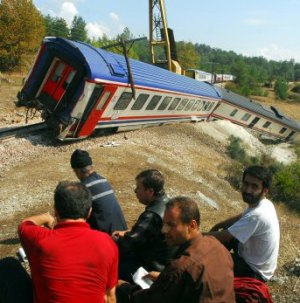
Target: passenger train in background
[(81, 90)]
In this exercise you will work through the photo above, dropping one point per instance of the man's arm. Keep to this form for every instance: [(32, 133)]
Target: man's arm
[(44, 219), (226, 223), (111, 295)]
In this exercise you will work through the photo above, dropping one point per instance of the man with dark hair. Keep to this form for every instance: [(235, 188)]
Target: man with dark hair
[(144, 245), (71, 263), (106, 213), (255, 233), (201, 271)]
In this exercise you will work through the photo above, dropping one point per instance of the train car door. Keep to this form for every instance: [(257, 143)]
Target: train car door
[(57, 82), (95, 108), (253, 122)]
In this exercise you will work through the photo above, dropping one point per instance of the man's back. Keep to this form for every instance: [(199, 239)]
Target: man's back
[(70, 264), (106, 213)]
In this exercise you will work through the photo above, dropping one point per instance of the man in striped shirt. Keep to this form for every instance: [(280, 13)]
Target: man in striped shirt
[(106, 215)]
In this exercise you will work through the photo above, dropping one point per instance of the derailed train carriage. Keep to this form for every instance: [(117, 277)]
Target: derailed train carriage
[(81, 89)]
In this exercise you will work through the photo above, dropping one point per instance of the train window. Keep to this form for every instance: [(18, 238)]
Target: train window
[(283, 130), (206, 105), (200, 105), (189, 105), (232, 114), (210, 106), (203, 105), (153, 102), (140, 101), (174, 103), (165, 102), (123, 101), (246, 117), (267, 124), (58, 72), (196, 105), (104, 98), (182, 104)]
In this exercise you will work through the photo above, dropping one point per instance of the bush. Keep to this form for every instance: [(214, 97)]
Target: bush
[(286, 185), (235, 149), (281, 89)]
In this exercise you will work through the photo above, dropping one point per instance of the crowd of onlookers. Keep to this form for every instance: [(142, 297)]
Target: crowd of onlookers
[(86, 253)]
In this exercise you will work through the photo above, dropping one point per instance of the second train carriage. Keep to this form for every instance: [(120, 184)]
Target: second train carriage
[(243, 111), (81, 89)]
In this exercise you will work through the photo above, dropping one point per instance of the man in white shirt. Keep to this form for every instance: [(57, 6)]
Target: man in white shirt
[(256, 230)]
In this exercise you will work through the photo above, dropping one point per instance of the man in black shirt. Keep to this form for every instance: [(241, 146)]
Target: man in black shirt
[(144, 245)]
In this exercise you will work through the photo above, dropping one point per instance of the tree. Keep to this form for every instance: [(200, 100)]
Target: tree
[(21, 31), (57, 27), (78, 29), (187, 55), (281, 89)]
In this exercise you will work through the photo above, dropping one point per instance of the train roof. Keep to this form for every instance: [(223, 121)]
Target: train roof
[(100, 64), (266, 111)]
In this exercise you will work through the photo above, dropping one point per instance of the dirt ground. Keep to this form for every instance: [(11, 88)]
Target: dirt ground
[(193, 162)]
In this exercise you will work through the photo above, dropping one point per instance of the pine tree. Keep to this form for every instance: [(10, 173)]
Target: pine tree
[(78, 30), (56, 27)]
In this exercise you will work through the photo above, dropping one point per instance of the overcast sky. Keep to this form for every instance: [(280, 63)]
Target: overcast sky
[(268, 28)]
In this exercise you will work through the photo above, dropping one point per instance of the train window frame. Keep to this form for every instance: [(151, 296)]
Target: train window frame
[(189, 105), (283, 130), (103, 100), (203, 105), (200, 105), (232, 114), (165, 103), (140, 101), (153, 102), (246, 117), (195, 106), (267, 124), (58, 72), (182, 104), (205, 108), (210, 106), (174, 103), (123, 101)]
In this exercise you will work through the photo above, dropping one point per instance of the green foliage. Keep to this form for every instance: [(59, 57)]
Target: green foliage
[(286, 185), (21, 31), (187, 55), (281, 89), (56, 27), (78, 29), (235, 149)]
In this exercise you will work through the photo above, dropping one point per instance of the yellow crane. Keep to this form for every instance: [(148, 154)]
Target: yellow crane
[(162, 43)]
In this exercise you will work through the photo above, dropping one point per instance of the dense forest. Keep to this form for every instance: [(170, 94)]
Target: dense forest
[(22, 27)]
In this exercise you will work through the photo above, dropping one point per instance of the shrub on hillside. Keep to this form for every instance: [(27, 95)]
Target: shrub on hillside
[(281, 89), (286, 185)]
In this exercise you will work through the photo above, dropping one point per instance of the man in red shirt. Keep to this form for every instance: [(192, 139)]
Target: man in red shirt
[(71, 263)]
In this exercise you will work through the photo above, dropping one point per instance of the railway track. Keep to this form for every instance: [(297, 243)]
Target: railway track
[(19, 131)]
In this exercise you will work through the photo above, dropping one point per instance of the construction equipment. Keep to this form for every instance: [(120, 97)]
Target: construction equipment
[(162, 43)]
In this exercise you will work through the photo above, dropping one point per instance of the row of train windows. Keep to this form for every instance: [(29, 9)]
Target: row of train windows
[(166, 103), (247, 116)]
